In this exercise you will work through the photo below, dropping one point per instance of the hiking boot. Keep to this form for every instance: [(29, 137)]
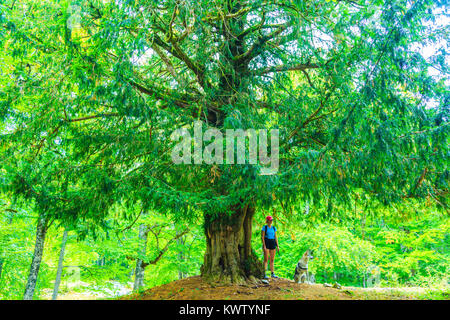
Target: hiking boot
[(266, 276), (274, 276)]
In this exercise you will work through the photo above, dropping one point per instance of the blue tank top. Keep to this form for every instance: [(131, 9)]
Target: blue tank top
[(269, 232)]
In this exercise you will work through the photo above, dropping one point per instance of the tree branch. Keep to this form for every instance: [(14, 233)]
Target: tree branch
[(161, 252), (176, 51), (282, 68), (257, 47), (101, 115)]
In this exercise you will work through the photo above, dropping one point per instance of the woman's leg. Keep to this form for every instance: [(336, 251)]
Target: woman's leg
[(272, 259), (266, 258)]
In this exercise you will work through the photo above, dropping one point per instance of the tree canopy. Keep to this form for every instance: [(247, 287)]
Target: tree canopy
[(92, 90)]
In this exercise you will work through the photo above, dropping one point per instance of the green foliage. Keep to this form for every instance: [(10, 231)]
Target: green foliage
[(411, 253), (92, 90), (414, 252), (95, 90), (336, 251), (17, 232)]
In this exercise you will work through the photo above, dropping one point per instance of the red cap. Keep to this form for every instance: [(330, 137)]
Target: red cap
[(269, 218)]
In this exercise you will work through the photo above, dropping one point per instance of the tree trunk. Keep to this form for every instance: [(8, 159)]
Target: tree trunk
[(140, 265), (100, 262), (229, 256), (60, 265), (363, 225), (181, 258), (3, 259), (41, 231), (1, 268)]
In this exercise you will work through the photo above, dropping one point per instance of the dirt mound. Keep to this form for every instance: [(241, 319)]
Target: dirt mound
[(194, 288)]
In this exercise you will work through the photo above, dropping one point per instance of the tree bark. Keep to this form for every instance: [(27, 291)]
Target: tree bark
[(363, 225), (181, 258), (140, 266), (3, 259), (60, 265), (41, 231), (229, 256), (1, 268)]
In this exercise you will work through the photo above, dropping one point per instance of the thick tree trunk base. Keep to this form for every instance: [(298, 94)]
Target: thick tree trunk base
[(251, 271), (229, 257)]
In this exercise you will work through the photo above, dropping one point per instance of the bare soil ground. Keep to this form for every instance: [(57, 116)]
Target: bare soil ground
[(194, 288)]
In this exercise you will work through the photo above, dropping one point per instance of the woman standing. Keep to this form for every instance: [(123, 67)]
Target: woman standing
[(270, 243)]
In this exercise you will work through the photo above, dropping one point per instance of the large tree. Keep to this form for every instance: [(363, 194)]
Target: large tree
[(92, 90)]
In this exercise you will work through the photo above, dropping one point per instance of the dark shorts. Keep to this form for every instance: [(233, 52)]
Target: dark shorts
[(271, 244)]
